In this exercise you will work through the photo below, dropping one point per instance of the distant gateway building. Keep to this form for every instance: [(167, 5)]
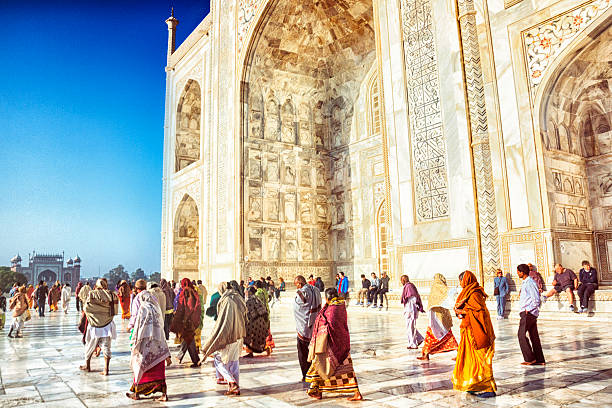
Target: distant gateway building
[(49, 268), (399, 136)]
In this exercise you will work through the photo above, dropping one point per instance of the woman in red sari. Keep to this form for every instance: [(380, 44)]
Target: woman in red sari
[(149, 350), (125, 297), (331, 368), (29, 296), (186, 320)]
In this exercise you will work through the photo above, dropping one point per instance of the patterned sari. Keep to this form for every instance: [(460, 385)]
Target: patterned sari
[(439, 337), (331, 368), (149, 348)]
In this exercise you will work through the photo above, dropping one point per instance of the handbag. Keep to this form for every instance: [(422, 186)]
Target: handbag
[(496, 292)]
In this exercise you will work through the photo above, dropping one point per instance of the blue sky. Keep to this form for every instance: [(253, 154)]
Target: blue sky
[(81, 128)]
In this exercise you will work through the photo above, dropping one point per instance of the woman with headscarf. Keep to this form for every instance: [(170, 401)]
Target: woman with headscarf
[(29, 296), (474, 365), (198, 331), (77, 290), (149, 350), (331, 368), (19, 305), (257, 324), (54, 296), (186, 320), (125, 299), (168, 313), (439, 337), (412, 306), (226, 338), (262, 295), (211, 311)]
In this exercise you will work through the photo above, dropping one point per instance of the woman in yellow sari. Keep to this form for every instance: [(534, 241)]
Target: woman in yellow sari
[(474, 366)]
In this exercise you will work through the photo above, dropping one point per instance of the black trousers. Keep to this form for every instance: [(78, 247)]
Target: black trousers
[(380, 293), (41, 309), (372, 294), (78, 304), (191, 348), (302, 347), (533, 351), (167, 323), (585, 290)]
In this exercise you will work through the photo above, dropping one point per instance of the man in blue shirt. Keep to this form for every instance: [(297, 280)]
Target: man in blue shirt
[(588, 285), (343, 286), (500, 285), (529, 307)]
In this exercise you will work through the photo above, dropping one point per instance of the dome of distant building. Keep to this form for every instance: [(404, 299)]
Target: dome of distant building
[(77, 259), (69, 262), (16, 259)]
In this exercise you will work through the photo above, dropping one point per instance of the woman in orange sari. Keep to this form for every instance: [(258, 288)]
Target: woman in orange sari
[(125, 297), (29, 296), (54, 296), (474, 366)]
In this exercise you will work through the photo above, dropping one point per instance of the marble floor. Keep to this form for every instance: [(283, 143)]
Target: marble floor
[(41, 369)]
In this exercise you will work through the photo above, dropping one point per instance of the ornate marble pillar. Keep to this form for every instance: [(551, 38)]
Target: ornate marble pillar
[(479, 134)]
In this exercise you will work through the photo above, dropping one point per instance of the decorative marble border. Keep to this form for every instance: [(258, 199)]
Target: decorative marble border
[(545, 41), (538, 238), (431, 246), (601, 246)]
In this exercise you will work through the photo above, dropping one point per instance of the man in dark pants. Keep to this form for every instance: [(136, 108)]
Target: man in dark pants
[(41, 294), (588, 285), (306, 306), (529, 307)]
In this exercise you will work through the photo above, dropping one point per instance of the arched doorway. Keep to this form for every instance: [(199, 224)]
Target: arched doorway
[(48, 276), (575, 117), (186, 240), (68, 278), (188, 116), (311, 148)]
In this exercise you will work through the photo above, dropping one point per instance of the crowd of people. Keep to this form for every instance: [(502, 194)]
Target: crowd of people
[(242, 326)]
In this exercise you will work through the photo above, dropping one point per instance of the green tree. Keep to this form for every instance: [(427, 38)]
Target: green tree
[(155, 277), (8, 278), (115, 275), (138, 274)]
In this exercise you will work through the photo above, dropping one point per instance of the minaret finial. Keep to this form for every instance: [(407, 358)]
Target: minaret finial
[(171, 11)]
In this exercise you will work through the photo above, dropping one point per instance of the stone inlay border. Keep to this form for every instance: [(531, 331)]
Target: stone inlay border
[(547, 40)]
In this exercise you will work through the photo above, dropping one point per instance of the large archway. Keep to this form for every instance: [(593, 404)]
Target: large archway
[(188, 117), (186, 240), (311, 141), (48, 276), (575, 117)]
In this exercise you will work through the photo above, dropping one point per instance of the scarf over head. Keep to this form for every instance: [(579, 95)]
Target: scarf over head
[(262, 295), (472, 301), (165, 287), (231, 322), (124, 290), (409, 291), (83, 293), (149, 346), (330, 337), (437, 295), (78, 288), (257, 326), (188, 312)]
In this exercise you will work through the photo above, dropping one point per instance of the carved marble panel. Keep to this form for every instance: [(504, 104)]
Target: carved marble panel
[(427, 134), (306, 244), (289, 206), (255, 203), (271, 205), (255, 243), (271, 243)]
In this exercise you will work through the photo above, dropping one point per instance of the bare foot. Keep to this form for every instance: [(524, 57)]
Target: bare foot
[(168, 361), (133, 396), (104, 373), (163, 398), (84, 368), (426, 357), (317, 396), (356, 397)]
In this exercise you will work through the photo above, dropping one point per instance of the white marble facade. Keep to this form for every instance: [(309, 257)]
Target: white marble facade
[(363, 136)]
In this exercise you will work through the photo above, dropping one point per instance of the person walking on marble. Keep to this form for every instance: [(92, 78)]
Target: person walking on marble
[(187, 315), (529, 310), (411, 300), (257, 324), (439, 337), (2, 309), (19, 305), (169, 311), (306, 305), (588, 285), (66, 295), (331, 369), (40, 294), (473, 371), (500, 291), (125, 299), (226, 338), (565, 280), (150, 352), (55, 294), (100, 309)]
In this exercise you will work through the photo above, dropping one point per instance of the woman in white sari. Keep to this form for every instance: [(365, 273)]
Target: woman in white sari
[(149, 350)]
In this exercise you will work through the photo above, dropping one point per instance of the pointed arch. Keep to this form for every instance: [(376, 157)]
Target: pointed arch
[(186, 240), (188, 118)]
